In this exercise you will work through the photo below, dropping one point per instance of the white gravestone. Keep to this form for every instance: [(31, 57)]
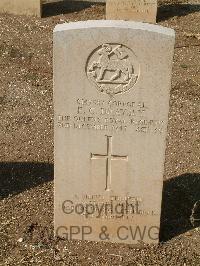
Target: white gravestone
[(111, 97), (21, 7), (137, 10)]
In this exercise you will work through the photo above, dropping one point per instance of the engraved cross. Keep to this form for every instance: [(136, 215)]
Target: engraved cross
[(109, 158)]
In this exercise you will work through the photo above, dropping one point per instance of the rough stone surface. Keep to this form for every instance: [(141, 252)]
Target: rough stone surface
[(21, 7), (137, 10), (111, 97)]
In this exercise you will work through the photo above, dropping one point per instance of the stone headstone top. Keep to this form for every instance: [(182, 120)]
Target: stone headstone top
[(111, 98), (21, 7)]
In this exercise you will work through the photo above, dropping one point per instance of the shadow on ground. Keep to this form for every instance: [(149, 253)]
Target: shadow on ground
[(18, 177), (168, 11), (164, 11), (179, 196), (64, 7), (179, 193)]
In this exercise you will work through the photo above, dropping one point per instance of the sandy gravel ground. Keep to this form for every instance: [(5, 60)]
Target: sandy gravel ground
[(26, 141)]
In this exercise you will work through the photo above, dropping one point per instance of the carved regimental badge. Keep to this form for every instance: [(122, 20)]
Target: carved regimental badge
[(113, 68)]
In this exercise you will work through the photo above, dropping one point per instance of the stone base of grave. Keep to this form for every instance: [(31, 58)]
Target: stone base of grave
[(21, 7)]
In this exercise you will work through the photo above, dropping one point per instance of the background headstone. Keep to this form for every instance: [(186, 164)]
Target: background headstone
[(111, 97), (93, 1), (21, 7), (137, 10)]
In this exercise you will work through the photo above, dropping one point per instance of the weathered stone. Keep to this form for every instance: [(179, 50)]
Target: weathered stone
[(21, 7), (137, 10), (111, 97)]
